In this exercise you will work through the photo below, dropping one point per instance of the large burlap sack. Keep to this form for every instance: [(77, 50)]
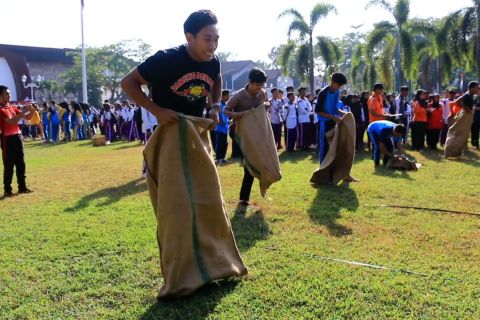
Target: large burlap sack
[(194, 234), (254, 135), (401, 162), (338, 161), (458, 133)]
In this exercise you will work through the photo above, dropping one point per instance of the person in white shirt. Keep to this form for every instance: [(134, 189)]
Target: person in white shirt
[(291, 120), (304, 109), (446, 110), (402, 110), (275, 111)]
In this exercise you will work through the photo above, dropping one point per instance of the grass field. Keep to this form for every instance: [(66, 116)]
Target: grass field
[(83, 245)]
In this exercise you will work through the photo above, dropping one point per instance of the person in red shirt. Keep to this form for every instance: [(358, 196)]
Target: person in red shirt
[(435, 122), (11, 142)]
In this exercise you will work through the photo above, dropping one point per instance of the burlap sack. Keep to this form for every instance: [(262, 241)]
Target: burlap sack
[(193, 230), (254, 135), (458, 133), (338, 161), (402, 163)]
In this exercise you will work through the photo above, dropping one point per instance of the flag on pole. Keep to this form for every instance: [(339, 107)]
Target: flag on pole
[(82, 3)]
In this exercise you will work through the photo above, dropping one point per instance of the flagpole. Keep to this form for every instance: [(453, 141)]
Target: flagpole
[(84, 65)]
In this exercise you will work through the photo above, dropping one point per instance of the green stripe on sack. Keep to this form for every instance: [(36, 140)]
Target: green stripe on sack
[(247, 163), (182, 126)]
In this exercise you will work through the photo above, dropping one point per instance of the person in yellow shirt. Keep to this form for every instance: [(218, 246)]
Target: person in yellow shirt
[(35, 122)]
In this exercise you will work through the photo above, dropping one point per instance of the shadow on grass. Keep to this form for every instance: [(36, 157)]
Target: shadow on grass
[(130, 144), (329, 201), (249, 228), (111, 195), (297, 156), (197, 306), (396, 174)]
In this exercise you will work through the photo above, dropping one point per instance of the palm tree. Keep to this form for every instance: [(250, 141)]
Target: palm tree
[(403, 53), (463, 34), (305, 31)]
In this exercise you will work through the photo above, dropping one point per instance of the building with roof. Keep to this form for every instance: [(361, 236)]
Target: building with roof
[(34, 62)]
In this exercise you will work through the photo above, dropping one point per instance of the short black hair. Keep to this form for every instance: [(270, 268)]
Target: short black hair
[(472, 84), (257, 75), (339, 78), (273, 90), (3, 88), (317, 91), (290, 88), (198, 20), (400, 128), (225, 92), (452, 91), (404, 88), (302, 89), (378, 86)]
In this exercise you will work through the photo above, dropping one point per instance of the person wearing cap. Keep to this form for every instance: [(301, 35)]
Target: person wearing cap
[(11, 142)]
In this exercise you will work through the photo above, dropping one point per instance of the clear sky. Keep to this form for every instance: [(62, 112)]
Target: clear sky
[(248, 28)]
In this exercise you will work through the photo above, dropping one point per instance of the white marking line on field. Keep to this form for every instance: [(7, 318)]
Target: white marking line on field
[(368, 265)]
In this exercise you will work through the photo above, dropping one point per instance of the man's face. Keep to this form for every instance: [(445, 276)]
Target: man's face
[(335, 86), (204, 44), (474, 90), (255, 88), (291, 98), (404, 93), (303, 93), (225, 97), (5, 96)]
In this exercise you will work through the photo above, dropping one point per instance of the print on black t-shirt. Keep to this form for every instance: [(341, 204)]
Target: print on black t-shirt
[(192, 86), (178, 82)]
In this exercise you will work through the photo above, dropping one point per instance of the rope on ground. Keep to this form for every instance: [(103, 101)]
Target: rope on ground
[(426, 209), (368, 265)]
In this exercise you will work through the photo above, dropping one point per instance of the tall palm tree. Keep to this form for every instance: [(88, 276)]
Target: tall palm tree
[(305, 31), (403, 53), (464, 36)]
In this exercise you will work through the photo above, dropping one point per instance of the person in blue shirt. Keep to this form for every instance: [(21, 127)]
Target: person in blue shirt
[(385, 136), (328, 111), (221, 130), (54, 122), (66, 120), (45, 122)]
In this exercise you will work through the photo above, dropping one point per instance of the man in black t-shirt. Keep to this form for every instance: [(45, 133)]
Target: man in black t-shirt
[(180, 81), (181, 78)]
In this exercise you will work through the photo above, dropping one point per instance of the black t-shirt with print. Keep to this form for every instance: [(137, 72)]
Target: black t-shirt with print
[(178, 82)]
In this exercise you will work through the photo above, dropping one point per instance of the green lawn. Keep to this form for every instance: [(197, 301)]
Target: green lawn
[(83, 245)]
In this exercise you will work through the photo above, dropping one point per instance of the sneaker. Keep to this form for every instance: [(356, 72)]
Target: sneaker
[(26, 190), (8, 194)]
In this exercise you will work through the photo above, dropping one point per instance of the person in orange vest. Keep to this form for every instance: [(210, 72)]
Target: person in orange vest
[(375, 104), (419, 120), (435, 122)]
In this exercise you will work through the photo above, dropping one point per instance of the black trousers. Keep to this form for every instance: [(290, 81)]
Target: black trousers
[(235, 147), (475, 134), (418, 135), (246, 185), (433, 137), (12, 152), (277, 133), (221, 145)]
